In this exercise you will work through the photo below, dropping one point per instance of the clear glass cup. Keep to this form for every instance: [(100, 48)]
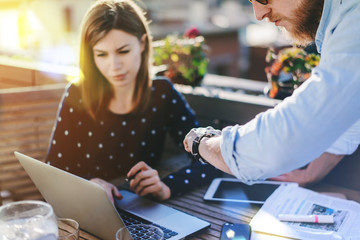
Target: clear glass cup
[(68, 229), (137, 231), (28, 220)]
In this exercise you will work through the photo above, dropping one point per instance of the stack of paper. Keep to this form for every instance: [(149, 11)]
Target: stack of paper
[(289, 199)]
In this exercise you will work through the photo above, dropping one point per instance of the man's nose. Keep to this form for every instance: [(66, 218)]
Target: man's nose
[(260, 11)]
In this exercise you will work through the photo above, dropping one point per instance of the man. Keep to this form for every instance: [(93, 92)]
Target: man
[(320, 120)]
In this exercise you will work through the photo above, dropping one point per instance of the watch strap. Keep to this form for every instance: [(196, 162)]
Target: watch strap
[(195, 147)]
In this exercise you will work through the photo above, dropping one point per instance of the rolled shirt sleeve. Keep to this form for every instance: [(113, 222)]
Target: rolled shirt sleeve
[(292, 134), (348, 142)]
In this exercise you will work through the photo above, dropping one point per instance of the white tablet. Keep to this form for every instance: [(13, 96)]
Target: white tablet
[(232, 190)]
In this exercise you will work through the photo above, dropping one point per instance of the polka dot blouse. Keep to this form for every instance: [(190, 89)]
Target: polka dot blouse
[(109, 147)]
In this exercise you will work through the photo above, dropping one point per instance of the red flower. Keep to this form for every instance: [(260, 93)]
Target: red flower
[(192, 32)]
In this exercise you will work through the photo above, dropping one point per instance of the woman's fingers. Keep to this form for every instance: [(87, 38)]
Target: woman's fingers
[(110, 189)]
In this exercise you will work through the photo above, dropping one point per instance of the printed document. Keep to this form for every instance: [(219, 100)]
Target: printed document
[(289, 199)]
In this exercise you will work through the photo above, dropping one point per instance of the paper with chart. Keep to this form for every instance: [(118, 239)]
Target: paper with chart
[(297, 200)]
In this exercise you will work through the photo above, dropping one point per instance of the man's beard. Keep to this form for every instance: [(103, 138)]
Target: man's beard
[(306, 22)]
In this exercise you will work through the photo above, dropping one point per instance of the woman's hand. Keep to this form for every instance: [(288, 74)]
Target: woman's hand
[(110, 189), (147, 181)]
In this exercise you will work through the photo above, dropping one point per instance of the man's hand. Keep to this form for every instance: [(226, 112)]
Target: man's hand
[(189, 139), (299, 176), (314, 172), (147, 181), (209, 149)]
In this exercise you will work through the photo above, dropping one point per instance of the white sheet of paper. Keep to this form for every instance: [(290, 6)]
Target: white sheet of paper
[(297, 200)]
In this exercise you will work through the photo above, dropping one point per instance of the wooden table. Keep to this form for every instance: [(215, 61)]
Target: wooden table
[(215, 213), (218, 213)]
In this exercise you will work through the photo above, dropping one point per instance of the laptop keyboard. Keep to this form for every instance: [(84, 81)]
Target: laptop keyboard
[(130, 219)]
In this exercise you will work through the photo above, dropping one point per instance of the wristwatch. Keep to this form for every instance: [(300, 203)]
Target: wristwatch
[(202, 133)]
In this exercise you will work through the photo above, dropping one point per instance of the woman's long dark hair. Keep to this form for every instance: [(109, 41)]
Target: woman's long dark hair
[(100, 19)]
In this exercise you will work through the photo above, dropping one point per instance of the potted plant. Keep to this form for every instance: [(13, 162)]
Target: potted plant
[(184, 57), (288, 69)]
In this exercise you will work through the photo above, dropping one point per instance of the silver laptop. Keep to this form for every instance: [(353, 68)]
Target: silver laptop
[(86, 202)]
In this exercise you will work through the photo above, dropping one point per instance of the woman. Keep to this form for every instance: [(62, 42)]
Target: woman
[(114, 120)]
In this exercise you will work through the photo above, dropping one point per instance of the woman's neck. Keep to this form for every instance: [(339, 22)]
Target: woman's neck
[(122, 101)]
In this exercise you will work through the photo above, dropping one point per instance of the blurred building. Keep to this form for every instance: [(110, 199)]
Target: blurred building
[(48, 31)]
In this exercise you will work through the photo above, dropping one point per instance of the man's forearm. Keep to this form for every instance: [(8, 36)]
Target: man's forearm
[(321, 166), (209, 150)]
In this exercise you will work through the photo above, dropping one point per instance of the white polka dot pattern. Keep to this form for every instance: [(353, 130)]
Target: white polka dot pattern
[(111, 145)]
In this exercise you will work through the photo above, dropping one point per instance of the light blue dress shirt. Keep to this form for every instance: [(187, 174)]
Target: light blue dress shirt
[(322, 114)]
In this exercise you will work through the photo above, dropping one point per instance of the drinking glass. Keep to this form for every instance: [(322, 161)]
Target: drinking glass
[(68, 229), (28, 220), (139, 231)]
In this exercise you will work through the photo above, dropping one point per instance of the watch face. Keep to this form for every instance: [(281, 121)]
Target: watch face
[(214, 132), (208, 130), (200, 131)]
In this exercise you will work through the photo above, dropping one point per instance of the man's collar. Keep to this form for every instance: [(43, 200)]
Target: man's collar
[(324, 21)]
